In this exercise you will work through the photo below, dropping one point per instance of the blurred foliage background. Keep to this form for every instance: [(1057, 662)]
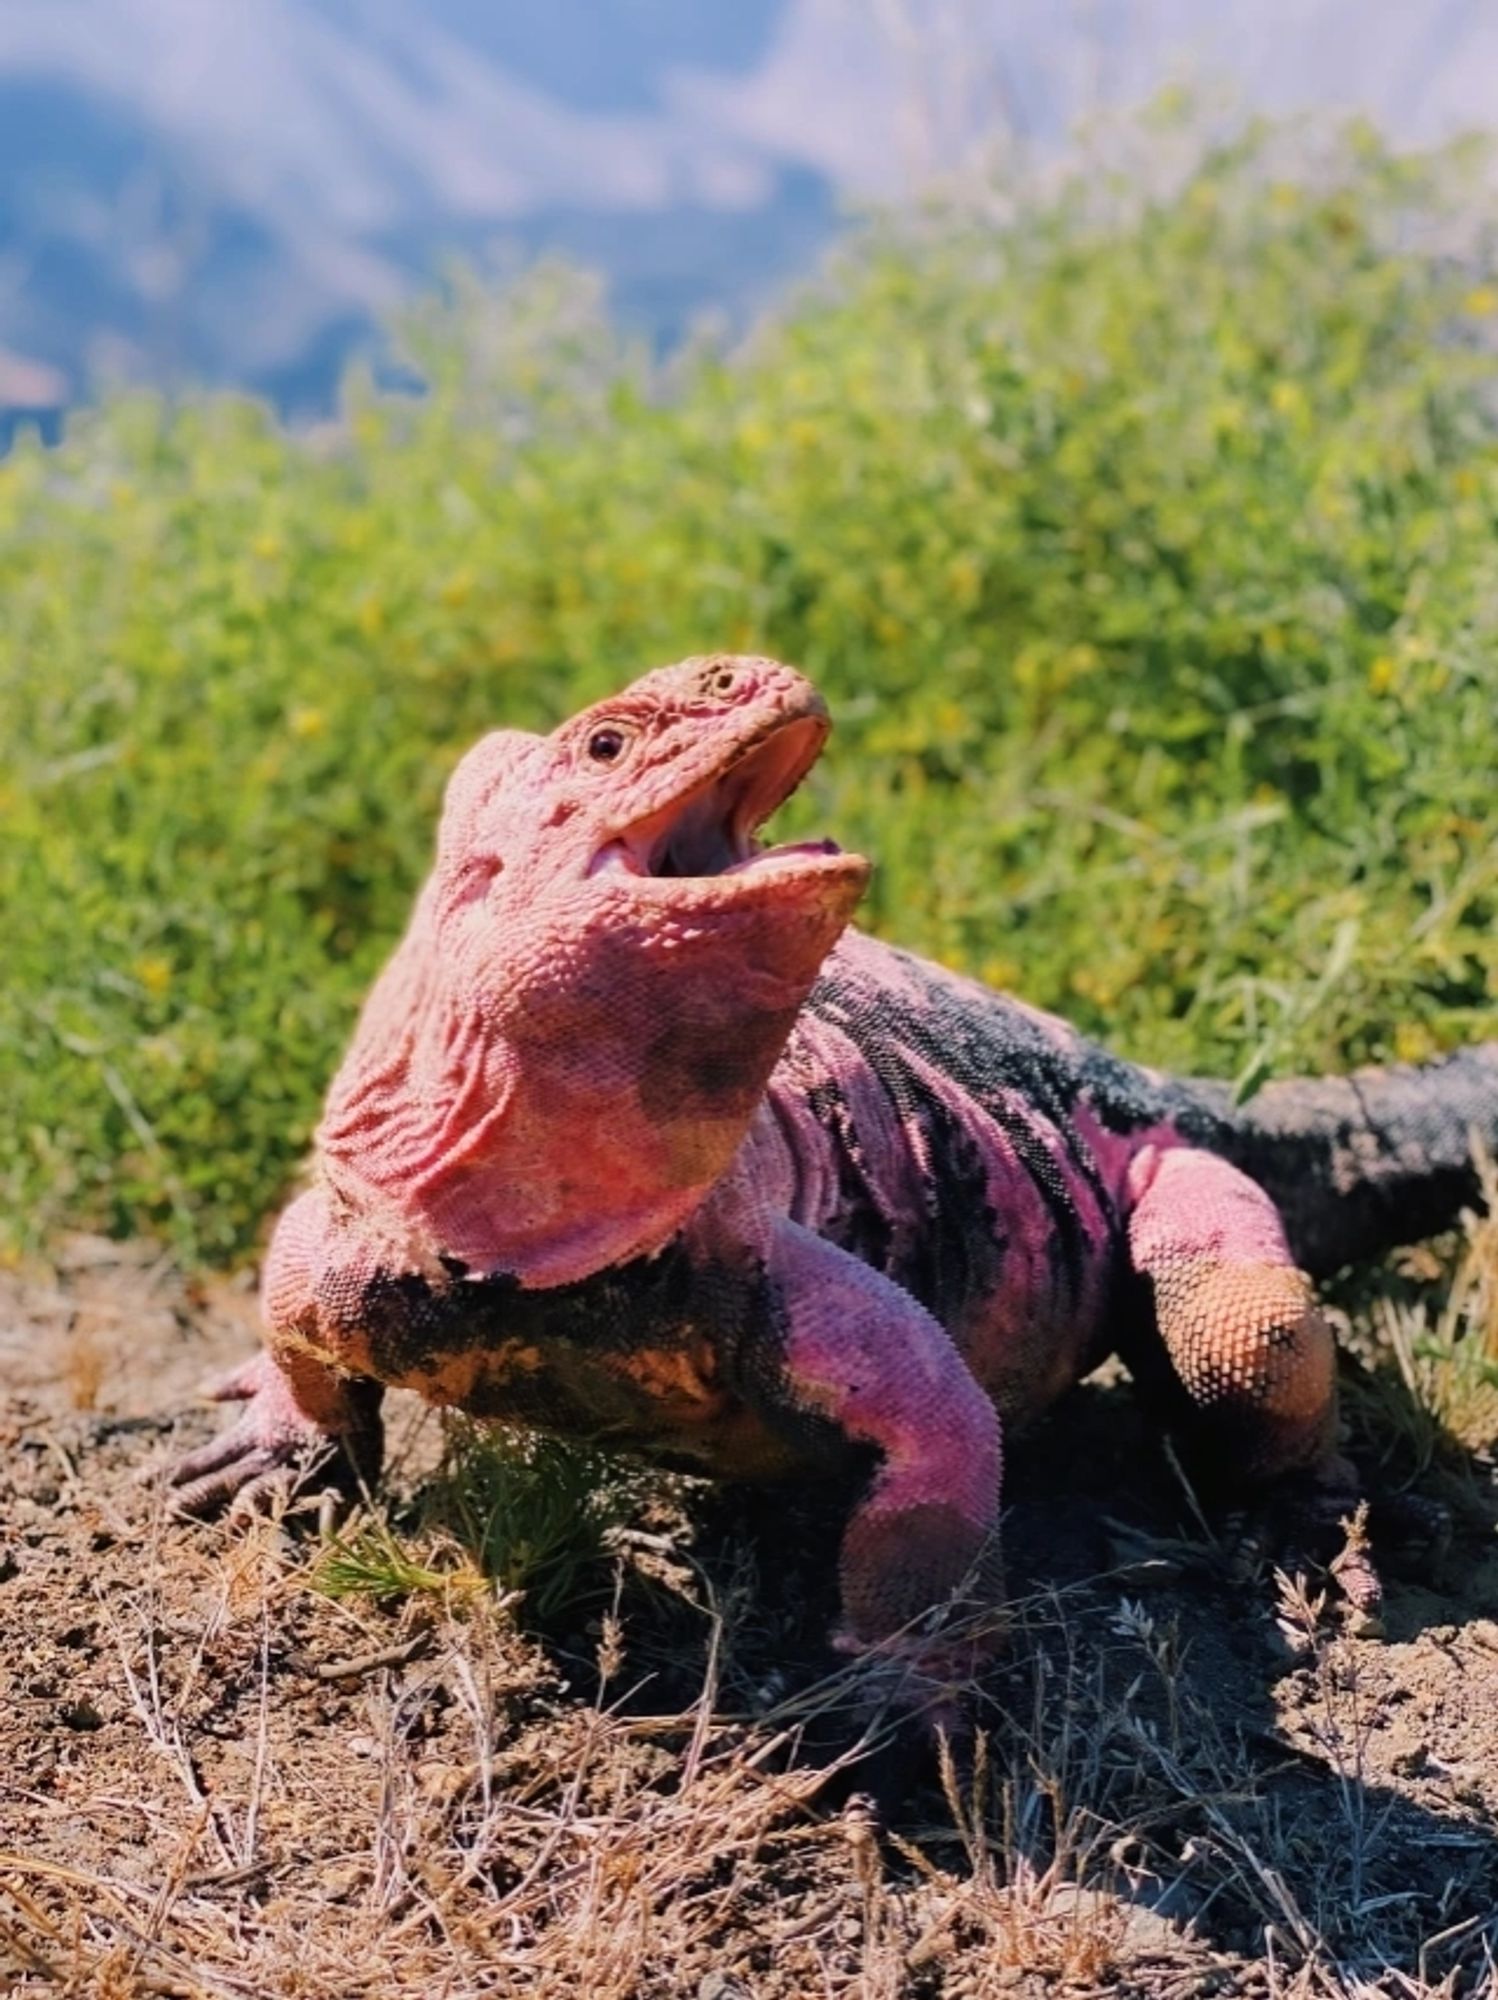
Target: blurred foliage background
[(1143, 540)]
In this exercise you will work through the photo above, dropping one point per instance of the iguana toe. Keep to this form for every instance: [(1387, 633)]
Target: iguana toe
[(274, 1451), (1320, 1525)]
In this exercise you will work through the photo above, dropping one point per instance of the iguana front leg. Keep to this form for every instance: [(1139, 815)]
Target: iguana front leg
[(854, 1349), (304, 1417)]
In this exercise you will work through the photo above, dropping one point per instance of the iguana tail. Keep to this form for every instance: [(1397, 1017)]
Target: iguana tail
[(1359, 1163)]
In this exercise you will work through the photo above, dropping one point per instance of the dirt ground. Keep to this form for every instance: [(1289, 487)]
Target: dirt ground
[(216, 1779)]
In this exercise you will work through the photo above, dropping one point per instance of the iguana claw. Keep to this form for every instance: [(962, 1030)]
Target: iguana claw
[(274, 1452)]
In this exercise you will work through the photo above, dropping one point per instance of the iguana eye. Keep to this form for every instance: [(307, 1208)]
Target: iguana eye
[(606, 745)]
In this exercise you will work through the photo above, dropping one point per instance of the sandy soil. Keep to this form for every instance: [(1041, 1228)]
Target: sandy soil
[(217, 1780)]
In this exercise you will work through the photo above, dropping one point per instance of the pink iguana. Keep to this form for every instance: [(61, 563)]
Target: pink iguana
[(637, 1142)]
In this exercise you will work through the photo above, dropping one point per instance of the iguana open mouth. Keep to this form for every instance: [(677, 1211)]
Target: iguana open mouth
[(710, 829)]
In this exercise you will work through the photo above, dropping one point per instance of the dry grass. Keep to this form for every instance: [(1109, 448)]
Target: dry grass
[(215, 1779), (1083, 1841)]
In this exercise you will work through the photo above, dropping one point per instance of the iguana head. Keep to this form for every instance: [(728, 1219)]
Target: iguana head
[(601, 974), (650, 802)]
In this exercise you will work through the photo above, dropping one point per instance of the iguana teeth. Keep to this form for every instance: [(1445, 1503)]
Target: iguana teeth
[(789, 850), (615, 859)]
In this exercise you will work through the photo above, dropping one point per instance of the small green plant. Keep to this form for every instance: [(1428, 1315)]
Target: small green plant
[(531, 1512), (1446, 1350), (512, 1512), (371, 1560)]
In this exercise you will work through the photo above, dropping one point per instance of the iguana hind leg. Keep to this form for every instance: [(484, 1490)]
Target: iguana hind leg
[(1242, 1357)]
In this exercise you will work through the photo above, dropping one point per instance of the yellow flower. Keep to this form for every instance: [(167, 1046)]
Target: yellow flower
[(1028, 667), (155, 974), (964, 580), (1098, 987), (1481, 301), (1413, 1042), (306, 722), (1381, 673), (1227, 417)]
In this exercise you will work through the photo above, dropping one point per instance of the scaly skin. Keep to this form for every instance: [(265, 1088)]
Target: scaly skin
[(635, 1142)]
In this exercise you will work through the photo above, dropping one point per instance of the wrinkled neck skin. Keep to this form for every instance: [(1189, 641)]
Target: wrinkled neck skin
[(575, 1111)]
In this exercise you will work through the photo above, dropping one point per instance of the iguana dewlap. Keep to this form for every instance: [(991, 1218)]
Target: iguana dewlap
[(637, 1142)]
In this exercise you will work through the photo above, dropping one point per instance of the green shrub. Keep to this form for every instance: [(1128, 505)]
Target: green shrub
[(1143, 543)]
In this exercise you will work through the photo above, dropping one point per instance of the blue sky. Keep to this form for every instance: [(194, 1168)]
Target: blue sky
[(235, 190)]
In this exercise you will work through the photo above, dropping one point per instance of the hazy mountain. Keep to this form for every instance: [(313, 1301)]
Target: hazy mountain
[(234, 189)]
